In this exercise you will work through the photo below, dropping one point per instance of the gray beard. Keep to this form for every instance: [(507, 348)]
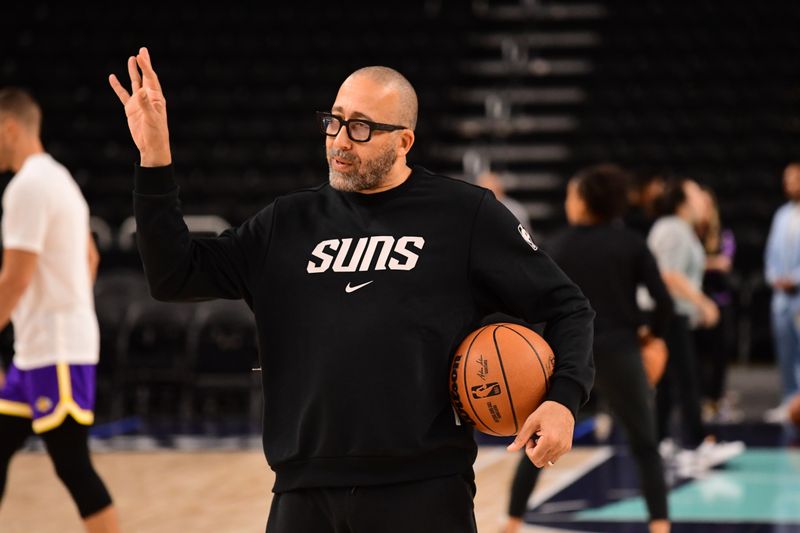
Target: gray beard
[(369, 176)]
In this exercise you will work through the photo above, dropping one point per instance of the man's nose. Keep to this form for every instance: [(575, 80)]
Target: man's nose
[(342, 140)]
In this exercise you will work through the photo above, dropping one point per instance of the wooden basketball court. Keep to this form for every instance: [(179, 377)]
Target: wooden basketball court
[(205, 492)]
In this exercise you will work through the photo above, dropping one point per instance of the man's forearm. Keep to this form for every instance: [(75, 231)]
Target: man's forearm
[(680, 286), (93, 258)]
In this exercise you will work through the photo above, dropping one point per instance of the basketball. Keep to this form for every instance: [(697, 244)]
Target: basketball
[(654, 359), (499, 375), (794, 410)]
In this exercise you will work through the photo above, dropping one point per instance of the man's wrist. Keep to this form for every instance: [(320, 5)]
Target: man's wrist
[(150, 160), (566, 392)]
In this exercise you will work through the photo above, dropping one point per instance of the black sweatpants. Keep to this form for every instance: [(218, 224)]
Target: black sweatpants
[(621, 383), (438, 505), (68, 448), (681, 385), (714, 349)]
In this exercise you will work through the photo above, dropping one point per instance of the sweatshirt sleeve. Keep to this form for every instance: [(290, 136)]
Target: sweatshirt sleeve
[(181, 268), (510, 274)]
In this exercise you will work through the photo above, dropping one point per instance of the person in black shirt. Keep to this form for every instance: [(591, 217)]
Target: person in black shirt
[(643, 190), (608, 261), (362, 288), (715, 345)]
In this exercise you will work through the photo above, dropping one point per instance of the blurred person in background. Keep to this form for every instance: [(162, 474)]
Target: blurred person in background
[(49, 264), (681, 260), (715, 345), (6, 345), (6, 351), (492, 181), (782, 272), (608, 261), (643, 190)]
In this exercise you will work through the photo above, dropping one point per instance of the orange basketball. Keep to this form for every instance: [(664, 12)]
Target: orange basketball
[(794, 410), (499, 375), (654, 359)]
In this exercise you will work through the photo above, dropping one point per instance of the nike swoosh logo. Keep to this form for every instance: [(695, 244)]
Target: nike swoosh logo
[(350, 289)]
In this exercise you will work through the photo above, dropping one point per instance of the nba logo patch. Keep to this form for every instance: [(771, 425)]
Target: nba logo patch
[(527, 237)]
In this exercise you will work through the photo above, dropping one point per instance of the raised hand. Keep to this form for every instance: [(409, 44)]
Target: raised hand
[(146, 109)]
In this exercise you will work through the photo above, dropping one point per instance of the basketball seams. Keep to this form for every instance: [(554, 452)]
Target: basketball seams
[(536, 352), (505, 379), (466, 387)]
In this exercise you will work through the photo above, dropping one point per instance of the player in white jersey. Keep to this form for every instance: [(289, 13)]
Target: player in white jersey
[(49, 263)]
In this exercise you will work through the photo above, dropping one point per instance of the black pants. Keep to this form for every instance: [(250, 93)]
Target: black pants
[(68, 448), (522, 485), (681, 385), (439, 505), (714, 349), (620, 381)]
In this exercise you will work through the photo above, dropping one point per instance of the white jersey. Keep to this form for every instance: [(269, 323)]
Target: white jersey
[(44, 212)]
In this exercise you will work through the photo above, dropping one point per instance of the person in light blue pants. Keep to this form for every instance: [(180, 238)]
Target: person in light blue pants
[(782, 271)]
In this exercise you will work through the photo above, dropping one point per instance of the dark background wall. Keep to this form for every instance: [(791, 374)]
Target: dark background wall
[(534, 89)]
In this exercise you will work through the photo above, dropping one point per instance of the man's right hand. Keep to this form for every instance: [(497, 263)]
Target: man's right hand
[(146, 109), (786, 285), (709, 312)]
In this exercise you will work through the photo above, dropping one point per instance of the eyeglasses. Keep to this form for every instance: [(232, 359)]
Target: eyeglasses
[(359, 130)]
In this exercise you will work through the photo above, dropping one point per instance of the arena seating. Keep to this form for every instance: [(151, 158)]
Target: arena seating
[(534, 89), (222, 359)]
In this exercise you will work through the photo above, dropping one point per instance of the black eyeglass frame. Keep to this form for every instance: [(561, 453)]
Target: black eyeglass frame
[(373, 126)]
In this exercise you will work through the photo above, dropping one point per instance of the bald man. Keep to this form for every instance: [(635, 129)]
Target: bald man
[(49, 261), (362, 288)]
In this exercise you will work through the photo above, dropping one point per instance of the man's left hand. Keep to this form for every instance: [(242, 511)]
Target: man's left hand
[(553, 424)]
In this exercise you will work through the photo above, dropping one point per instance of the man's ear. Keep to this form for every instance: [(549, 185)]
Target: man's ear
[(406, 142), (9, 127)]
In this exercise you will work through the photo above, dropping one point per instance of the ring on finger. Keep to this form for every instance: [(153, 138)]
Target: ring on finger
[(550, 463)]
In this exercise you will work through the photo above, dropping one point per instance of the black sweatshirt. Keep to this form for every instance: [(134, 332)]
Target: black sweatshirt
[(608, 262), (360, 301)]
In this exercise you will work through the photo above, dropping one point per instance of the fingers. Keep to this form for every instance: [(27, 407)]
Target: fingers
[(150, 78), (133, 72), (543, 452), (525, 434), (551, 425), (122, 94), (146, 79)]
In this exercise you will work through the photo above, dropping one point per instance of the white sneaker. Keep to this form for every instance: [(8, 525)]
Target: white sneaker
[(728, 414), (697, 462), (777, 415), (687, 464), (667, 449), (603, 424), (711, 454)]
